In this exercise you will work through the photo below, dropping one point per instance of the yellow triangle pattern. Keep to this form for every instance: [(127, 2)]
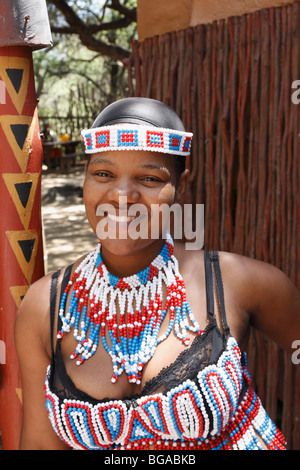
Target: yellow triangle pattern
[(11, 179), (8, 62), (20, 395), (15, 238), (22, 155), (18, 293)]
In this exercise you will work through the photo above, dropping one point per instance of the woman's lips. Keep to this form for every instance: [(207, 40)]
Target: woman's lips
[(120, 218), (118, 224)]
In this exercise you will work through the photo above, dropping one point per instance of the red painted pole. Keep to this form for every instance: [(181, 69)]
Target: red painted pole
[(24, 26)]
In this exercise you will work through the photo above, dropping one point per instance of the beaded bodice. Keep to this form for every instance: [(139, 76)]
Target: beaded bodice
[(203, 400)]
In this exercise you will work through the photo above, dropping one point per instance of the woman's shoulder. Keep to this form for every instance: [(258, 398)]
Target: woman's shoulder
[(236, 267), (37, 295), (253, 273), (251, 281), (39, 291), (247, 269), (35, 305), (261, 285)]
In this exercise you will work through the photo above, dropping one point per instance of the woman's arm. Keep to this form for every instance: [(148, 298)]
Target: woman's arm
[(32, 337), (271, 300)]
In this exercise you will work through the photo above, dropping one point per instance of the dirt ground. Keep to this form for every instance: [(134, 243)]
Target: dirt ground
[(67, 234)]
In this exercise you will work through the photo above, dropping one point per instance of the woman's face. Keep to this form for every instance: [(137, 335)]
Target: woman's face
[(118, 183)]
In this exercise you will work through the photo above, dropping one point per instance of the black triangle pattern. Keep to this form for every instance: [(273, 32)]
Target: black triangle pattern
[(20, 132), (23, 190), (15, 76), (27, 248)]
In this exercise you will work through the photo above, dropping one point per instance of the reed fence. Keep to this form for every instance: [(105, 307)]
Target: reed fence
[(231, 83)]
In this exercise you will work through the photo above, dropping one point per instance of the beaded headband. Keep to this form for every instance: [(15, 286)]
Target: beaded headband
[(137, 137)]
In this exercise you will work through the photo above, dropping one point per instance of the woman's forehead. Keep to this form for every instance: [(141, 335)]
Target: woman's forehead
[(137, 158)]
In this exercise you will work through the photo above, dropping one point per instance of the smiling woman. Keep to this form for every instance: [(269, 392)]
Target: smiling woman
[(144, 341)]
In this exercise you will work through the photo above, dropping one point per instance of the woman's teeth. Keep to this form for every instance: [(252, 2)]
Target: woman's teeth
[(120, 218)]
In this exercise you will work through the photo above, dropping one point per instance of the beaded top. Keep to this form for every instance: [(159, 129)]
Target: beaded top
[(204, 400)]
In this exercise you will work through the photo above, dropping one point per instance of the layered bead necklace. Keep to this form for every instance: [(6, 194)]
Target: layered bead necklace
[(128, 309)]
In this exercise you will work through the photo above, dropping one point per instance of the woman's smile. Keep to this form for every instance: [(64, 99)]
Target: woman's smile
[(117, 224), (120, 218)]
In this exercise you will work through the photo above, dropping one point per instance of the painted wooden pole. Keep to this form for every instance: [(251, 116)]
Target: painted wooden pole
[(24, 26)]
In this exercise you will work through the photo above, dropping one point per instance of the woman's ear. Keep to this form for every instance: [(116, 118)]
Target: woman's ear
[(182, 186)]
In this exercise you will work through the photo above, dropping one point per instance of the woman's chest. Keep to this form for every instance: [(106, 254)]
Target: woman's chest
[(127, 333)]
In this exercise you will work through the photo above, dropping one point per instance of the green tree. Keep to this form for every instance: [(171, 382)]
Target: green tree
[(84, 70), (91, 19)]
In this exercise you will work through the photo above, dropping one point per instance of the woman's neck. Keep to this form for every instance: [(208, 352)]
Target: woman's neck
[(131, 263)]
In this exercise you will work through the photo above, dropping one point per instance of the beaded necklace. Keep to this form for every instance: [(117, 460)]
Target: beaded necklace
[(134, 332)]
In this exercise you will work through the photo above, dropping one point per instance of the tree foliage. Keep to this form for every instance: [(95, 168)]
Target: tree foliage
[(90, 19), (84, 70)]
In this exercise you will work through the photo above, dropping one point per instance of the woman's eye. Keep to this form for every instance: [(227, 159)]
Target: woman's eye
[(151, 179), (102, 174)]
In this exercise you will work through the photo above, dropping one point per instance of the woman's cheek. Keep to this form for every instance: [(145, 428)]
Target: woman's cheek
[(91, 202), (167, 194)]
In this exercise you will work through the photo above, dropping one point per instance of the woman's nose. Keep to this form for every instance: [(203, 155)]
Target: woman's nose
[(123, 189)]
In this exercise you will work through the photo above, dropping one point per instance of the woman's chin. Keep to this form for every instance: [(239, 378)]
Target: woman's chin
[(130, 247), (120, 246)]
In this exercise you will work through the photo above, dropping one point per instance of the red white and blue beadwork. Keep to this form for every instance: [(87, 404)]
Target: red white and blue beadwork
[(137, 137), (205, 413), (134, 329)]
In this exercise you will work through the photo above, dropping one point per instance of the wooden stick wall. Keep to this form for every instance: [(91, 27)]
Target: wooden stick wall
[(231, 83)]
